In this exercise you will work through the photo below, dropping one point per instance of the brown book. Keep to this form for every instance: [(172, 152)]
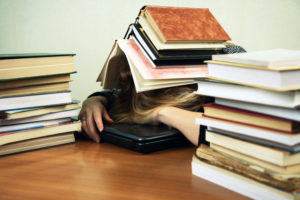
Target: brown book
[(290, 183), (179, 24)]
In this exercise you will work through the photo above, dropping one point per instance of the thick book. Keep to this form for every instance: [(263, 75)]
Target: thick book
[(37, 111), (273, 59), (289, 183), (24, 82), (36, 100), (159, 45), (39, 132), (286, 113), (269, 135), (35, 89), (256, 163), (182, 24), (250, 118), (238, 183), (167, 57), (287, 99), (126, 53), (264, 153), (276, 69), (13, 128), (290, 148), (37, 144), (42, 117), (13, 66)]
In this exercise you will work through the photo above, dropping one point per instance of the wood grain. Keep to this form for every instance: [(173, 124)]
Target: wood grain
[(87, 170)]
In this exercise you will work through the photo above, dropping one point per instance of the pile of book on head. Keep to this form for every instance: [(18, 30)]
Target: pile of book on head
[(253, 127), (165, 47), (36, 107)]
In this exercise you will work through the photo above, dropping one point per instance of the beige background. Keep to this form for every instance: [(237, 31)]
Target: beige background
[(89, 28)]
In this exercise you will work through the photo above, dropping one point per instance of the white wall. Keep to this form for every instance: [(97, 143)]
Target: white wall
[(89, 28)]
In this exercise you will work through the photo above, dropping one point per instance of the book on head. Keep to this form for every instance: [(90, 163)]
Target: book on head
[(179, 24)]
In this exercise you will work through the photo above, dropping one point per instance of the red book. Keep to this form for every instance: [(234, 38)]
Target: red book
[(179, 24)]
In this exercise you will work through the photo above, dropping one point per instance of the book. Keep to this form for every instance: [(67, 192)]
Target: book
[(291, 148), (256, 163), (39, 132), (264, 78), (273, 59), (159, 45), (268, 154), (145, 77), (274, 136), (36, 111), (35, 89), (14, 66), (287, 99), (250, 118), (167, 57), (289, 183), (36, 100), (18, 83), (37, 143), (47, 116), (286, 113), (240, 184), (179, 24), (32, 125), (275, 69)]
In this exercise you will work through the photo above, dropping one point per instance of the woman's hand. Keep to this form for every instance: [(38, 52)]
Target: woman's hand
[(92, 114)]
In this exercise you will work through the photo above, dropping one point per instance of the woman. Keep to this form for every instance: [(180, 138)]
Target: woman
[(176, 107)]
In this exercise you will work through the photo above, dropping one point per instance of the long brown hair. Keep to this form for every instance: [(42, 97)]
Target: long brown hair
[(132, 107)]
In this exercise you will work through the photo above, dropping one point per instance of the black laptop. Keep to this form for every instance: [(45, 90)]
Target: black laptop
[(142, 138)]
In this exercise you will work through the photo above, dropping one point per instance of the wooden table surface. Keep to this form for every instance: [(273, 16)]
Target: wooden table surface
[(87, 170)]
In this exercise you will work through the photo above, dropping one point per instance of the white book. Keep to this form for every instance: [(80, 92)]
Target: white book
[(273, 58), (238, 183), (220, 125), (288, 99), (48, 116), (37, 100), (287, 113), (261, 78), (32, 125)]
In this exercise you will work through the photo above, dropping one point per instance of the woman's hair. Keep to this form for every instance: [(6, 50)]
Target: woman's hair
[(132, 107)]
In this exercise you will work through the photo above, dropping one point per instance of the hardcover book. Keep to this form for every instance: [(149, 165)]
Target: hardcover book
[(178, 24), (19, 66)]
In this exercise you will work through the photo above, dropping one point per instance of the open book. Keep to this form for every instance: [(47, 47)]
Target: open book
[(145, 76)]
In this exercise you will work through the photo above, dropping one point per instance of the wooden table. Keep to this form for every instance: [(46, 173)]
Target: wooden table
[(87, 170)]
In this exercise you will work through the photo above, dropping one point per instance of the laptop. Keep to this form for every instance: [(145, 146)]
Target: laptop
[(142, 138)]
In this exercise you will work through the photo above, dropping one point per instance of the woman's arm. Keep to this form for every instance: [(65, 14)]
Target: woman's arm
[(92, 114), (182, 120)]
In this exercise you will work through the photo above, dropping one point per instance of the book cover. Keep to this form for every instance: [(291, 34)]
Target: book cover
[(177, 24), (175, 46)]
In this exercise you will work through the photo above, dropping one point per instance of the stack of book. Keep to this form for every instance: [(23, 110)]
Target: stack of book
[(165, 47), (253, 127), (36, 108)]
